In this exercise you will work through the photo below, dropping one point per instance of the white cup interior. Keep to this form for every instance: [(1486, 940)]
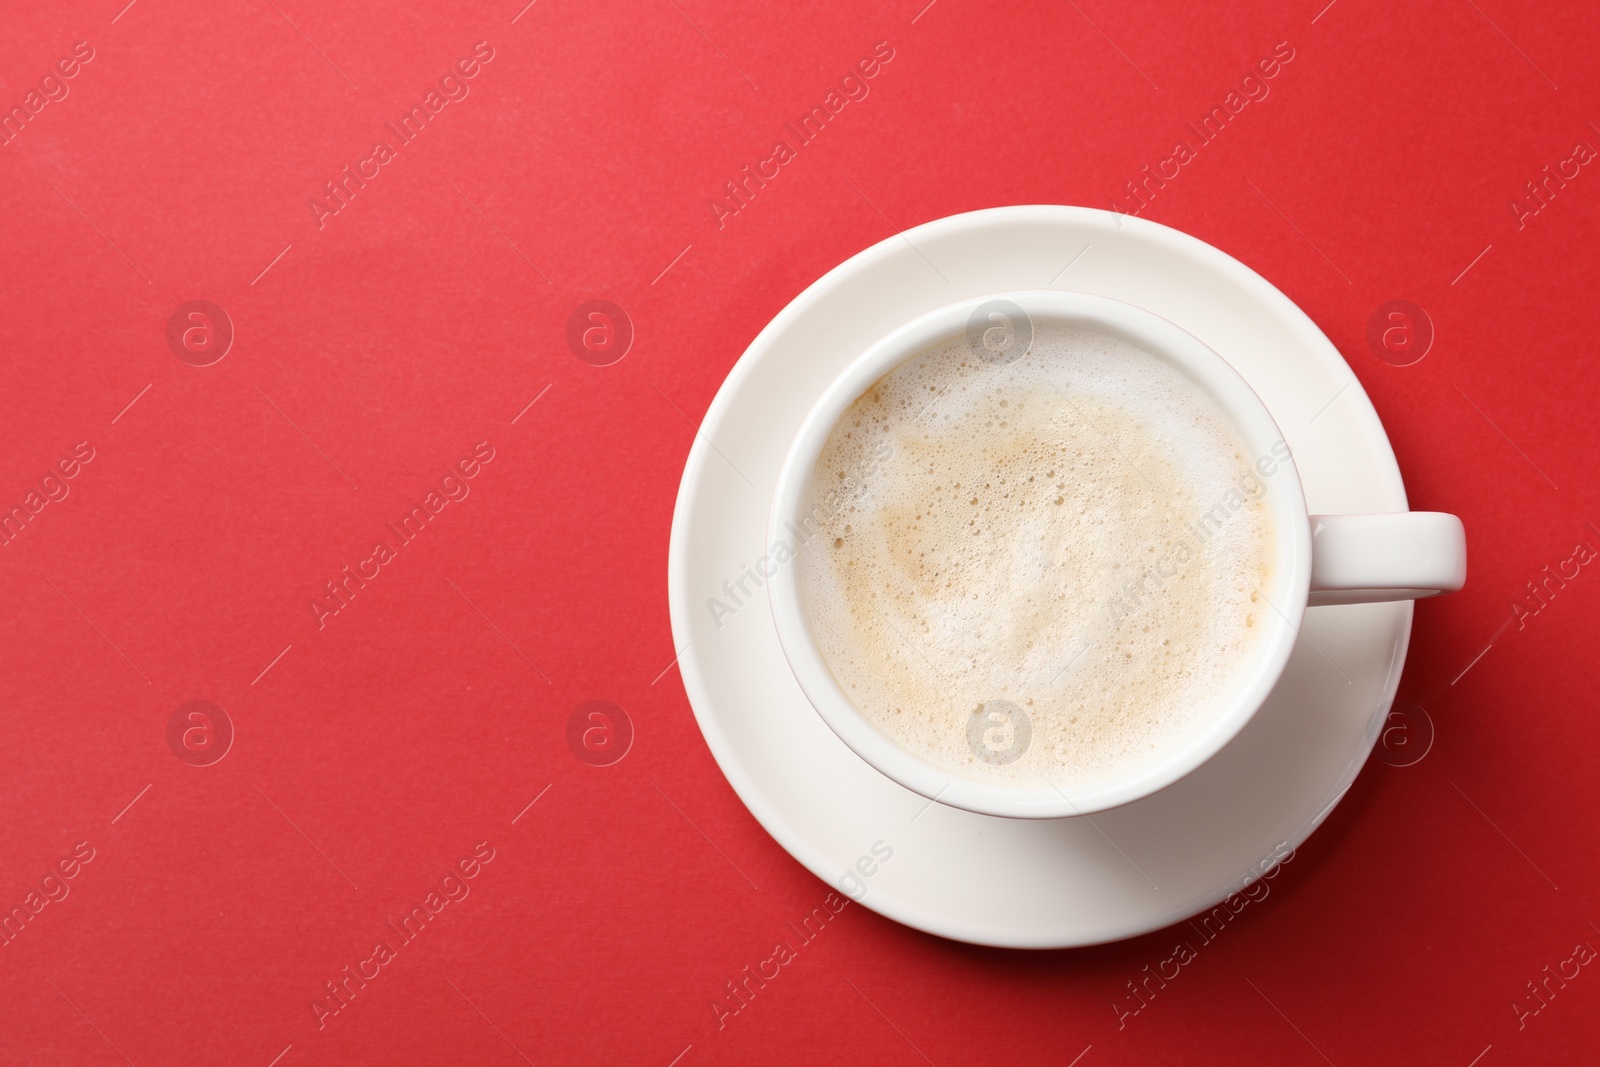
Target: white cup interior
[(1287, 589)]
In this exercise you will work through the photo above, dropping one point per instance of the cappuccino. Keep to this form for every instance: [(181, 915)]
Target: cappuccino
[(1047, 570)]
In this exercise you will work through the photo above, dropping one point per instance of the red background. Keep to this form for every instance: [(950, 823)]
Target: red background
[(377, 751)]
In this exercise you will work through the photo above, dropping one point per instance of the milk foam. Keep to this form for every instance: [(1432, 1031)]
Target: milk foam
[(1081, 533)]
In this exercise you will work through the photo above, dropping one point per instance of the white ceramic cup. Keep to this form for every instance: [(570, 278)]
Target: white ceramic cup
[(1320, 559)]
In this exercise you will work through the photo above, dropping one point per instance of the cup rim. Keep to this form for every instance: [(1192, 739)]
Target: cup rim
[(1291, 575)]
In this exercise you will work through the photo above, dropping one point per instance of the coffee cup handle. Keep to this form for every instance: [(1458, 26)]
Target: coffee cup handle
[(1365, 559)]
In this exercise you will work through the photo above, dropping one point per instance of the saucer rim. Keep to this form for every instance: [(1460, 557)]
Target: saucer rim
[(1386, 481)]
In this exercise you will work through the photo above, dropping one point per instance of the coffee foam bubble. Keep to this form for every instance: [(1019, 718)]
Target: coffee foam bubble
[(1081, 533)]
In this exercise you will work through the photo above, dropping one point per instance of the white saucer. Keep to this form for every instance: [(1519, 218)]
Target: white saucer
[(991, 881)]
